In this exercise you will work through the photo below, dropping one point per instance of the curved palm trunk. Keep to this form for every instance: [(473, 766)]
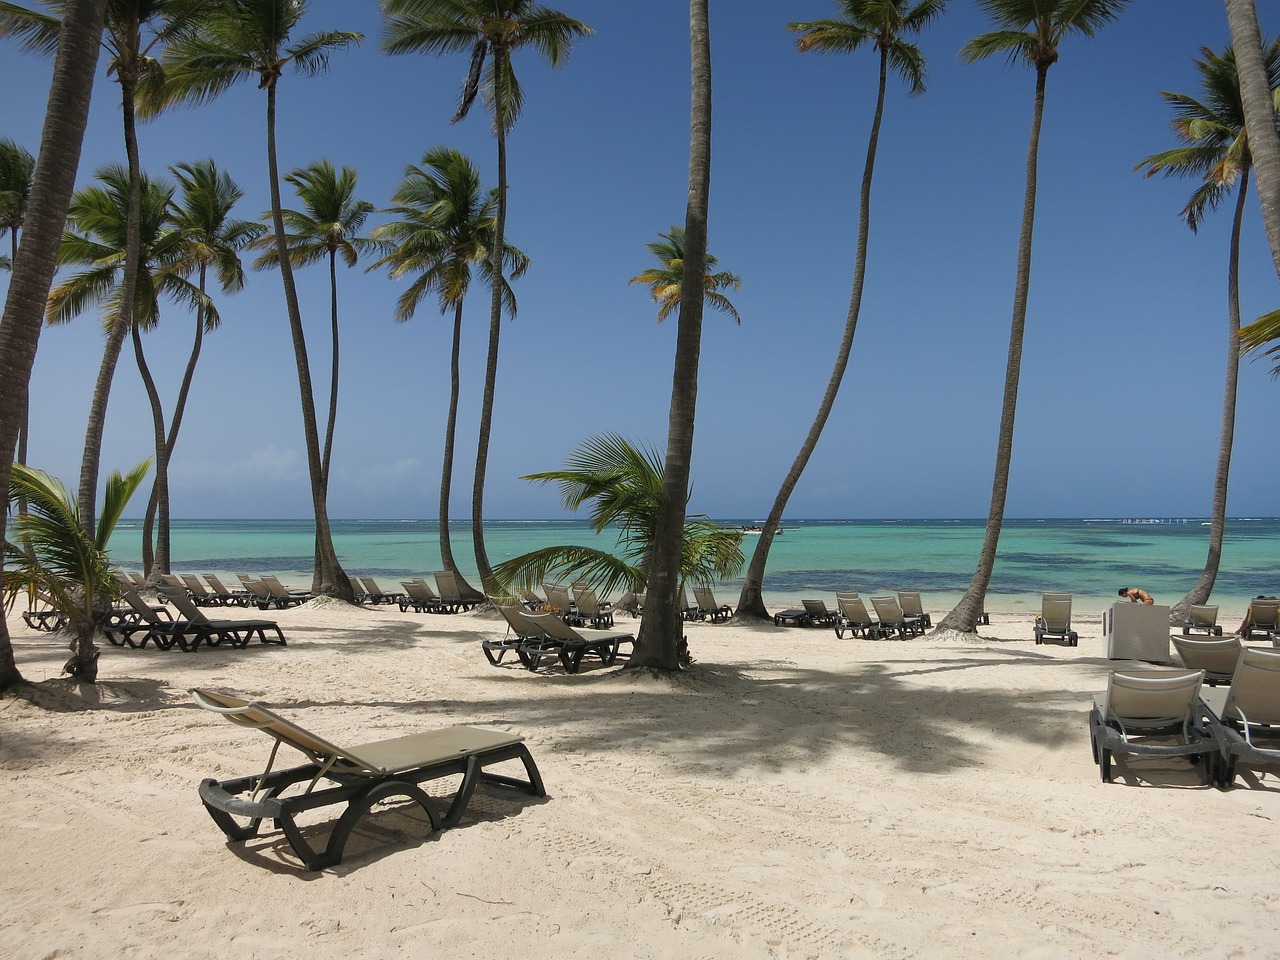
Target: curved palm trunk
[(491, 368), (155, 562), (657, 642), (54, 181), (446, 469), (91, 459), (751, 600), (1218, 519), (1259, 114), (328, 578), (964, 617)]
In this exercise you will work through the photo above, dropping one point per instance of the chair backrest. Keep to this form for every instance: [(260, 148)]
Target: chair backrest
[(1055, 611), (706, 600), (519, 621), (888, 611), (558, 597), (1217, 656), (257, 588), (447, 584), (854, 609), (218, 586), (1262, 614), (276, 588), (1152, 699), (130, 596), (196, 588), (371, 588), (553, 626), (1204, 615), (911, 604), (588, 603), (1255, 689), (816, 608), (419, 590), (183, 604)]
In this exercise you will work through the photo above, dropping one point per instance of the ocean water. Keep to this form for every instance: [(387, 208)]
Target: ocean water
[(1090, 558)]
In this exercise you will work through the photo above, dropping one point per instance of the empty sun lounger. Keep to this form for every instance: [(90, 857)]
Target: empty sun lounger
[(599, 613), (1248, 713), (708, 607), (419, 595), (913, 607), (195, 628), (1202, 617), (451, 592), (1216, 656), (373, 593), (238, 598), (1147, 713), (362, 776), (852, 615), (893, 620), (818, 614), (569, 644), (43, 616), (1055, 619), (520, 630)]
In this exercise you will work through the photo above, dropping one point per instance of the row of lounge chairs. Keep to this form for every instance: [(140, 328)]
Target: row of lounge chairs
[(417, 594), (901, 616), (537, 636), (190, 630), (1169, 713)]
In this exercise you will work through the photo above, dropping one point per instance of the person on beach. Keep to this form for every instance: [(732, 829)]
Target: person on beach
[(1137, 595), (1248, 616)]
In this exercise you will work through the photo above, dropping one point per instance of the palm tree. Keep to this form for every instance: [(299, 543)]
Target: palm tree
[(1031, 30), (446, 227), (70, 567), (101, 216), (490, 30), (17, 170), (134, 29), (658, 640), (883, 24), (327, 228), (1216, 151), (1260, 112), (623, 485), (238, 39), (54, 181), (210, 238), (664, 281)]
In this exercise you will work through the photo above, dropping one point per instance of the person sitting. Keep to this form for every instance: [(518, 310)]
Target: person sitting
[(1243, 629), (1137, 595)]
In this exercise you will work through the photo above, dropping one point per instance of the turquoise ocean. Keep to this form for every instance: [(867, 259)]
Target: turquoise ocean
[(1090, 558)]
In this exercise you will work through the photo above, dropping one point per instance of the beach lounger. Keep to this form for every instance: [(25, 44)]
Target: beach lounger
[(199, 594), (852, 615), (1248, 712), (559, 601), (1149, 713), (1055, 619), (893, 620), (145, 623), (1262, 617), (195, 628), (708, 608), (42, 616), (531, 600), (569, 644), (450, 593), (1203, 617), (591, 608), (1217, 657), (373, 593), (284, 596), (688, 611), (913, 607), (420, 596), (238, 598), (520, 630), (794, 616), (362, 776), (818, 614)]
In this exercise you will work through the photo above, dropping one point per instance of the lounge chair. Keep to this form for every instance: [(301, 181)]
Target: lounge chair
[(570, 645), (531, 600), (420, 596), (1262, 617), (238, 598), (1248, 713), (852, 615), (1204, 617), (43, 616), (1055, 619), (1148, 713), (195, 628), (913, 607), (688, 611), (592, 608), (145, 623), (284, 596), (560, 601), (1217, 657), (450, 593), (520, 630), (818, 614), (257, 592), (375, 594), (362, 775), (199, 594), (709, 608), (893, 620)]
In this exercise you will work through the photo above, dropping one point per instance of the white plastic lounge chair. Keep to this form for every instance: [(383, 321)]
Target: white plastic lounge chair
[(1249, 713), (363, 775), (1202, 617), (708, 607), (892, 619), (569, 644), (1147, 713), (1055, 619), (1216, 656), (913, 607), (852, 615)]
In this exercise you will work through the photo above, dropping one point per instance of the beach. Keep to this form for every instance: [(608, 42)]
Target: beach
[(789, 795)]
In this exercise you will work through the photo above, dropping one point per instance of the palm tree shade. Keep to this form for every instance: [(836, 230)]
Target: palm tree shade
[(490, 31), (1030, 31)]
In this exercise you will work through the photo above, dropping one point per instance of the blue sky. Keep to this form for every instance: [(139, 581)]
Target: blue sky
[(1123, 368)]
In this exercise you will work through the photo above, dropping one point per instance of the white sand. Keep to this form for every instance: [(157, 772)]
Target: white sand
[(791, 795)]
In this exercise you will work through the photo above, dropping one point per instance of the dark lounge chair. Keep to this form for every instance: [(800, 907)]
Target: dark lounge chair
[(362, 776), (569, 644)]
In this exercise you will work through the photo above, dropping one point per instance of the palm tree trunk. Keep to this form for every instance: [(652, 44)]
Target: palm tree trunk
[(964, 617), (1226, 438), (157, 562), (54, 181), (1259, 114), (91, 459), (751, 600), (446, 469), (328, 578), (657, 641), (491, 365), (333, 369)]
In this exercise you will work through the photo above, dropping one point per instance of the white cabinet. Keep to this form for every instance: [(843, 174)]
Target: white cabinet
[(1135, 631)]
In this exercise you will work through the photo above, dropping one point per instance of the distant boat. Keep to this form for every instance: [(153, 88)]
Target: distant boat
[(756, 530)]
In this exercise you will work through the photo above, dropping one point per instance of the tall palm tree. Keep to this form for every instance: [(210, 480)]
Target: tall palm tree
[(134, 30), (65, 119), (664, 281), (1031, 30), (17, 171), (1259, 111), (327, 227), (236, 40), (1215, 150), (210, 238), (61, 561), (445, 228), (491, 30), (97, 240), (884, 25), (658, 640), (623, 485)]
